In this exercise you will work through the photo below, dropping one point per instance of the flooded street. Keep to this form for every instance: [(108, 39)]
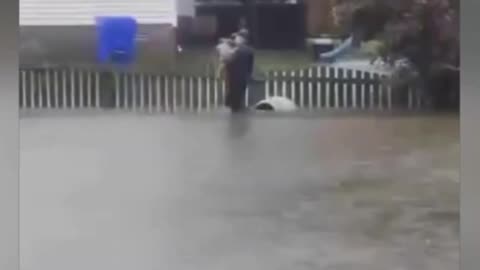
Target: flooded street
[(212, 192)]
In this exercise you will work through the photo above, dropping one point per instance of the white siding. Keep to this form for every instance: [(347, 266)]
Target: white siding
[(83, 12), (186, 7)]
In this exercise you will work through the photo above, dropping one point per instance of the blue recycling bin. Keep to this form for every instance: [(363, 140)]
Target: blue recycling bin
[(116, 39)]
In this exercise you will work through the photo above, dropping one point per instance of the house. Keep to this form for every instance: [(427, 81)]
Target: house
[(64, 31), (274, 24)]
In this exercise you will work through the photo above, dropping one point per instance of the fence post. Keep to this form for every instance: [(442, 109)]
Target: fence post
[(257, 91), (107, 90), (23, 89)]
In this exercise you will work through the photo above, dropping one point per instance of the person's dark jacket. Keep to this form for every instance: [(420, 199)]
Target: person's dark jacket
[(239, 72), (240, 68)]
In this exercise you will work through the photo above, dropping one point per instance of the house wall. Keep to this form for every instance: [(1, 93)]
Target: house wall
[(319, 17), (186, 20), (64, 31), (186, 8), (76, 45), (84, 12)]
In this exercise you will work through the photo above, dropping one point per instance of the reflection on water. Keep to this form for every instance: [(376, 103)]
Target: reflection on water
[(292, 193), (239, 124)]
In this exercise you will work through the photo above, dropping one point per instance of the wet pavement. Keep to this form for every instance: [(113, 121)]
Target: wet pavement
[(211, 192)]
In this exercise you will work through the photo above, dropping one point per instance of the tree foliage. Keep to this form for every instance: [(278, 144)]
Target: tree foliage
[(424, 32)]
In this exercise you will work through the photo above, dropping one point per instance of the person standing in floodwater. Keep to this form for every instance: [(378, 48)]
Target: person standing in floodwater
[(239, 72)]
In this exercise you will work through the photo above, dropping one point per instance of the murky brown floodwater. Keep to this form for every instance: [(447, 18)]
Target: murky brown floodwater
[(210, 192)]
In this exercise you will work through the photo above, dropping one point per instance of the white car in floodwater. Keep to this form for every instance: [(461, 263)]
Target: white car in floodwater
[(364, 65)]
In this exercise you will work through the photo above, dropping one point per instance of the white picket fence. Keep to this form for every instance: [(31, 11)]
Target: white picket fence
[(339, 88), (313, 88), (59, 89), (166, 93)]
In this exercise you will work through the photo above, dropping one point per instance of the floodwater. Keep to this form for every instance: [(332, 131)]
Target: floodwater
[(211, 192)]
